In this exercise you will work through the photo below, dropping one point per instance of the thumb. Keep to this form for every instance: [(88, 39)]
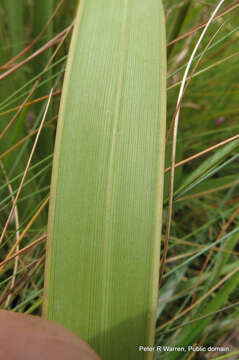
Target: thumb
[(27, 337)]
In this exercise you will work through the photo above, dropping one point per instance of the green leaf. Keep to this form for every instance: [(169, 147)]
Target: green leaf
[(208, 167), (106, 195), (42, 12), (193, 332)]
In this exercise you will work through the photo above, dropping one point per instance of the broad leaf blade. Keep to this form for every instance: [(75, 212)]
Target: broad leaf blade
[(106, 196)]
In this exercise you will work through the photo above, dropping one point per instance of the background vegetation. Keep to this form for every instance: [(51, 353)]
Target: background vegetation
[(198, 296)]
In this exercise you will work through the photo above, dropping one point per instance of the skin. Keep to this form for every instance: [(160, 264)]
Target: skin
[(26, 337)]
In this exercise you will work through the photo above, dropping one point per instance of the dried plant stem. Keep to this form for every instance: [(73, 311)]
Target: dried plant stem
[(192, 306), (206, 151), (16, 218), (175, 133), (23, 250), (26, 170)]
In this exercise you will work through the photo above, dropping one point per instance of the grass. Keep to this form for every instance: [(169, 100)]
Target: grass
[(198, 296), (122, 160)]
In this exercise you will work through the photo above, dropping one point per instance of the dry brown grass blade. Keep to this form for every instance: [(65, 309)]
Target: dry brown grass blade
[(44, 48), (218, 249), (186, 81), (207, 192), (61, 40), (26, 229), (219, 62), (205, 264), (225, 11), (16, 218), (23, 250), (24, 278), (174, 124), (192, 306), (11, 62), (26, 170), (35, 101), (201, 153), (20, 142)]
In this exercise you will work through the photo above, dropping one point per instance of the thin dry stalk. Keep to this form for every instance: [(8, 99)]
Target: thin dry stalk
[(61, 37), (228, 223), (218, 249), (225, 11), (175, 133), (11, 62), (23, 280), (26, 229), (16, 218), (35, 101), (25, 138), (207, 192), (199, 344), (26, 170), (192, 306), (44, 48), (23, 250), (219, 62), (201, 153)]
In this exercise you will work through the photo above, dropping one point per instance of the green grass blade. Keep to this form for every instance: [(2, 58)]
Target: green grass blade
[(208, 165), (42, 12), (14, 12), (192, 333), (209, 174), (211, 162), (178, 25), (184, 263), (106, 195)]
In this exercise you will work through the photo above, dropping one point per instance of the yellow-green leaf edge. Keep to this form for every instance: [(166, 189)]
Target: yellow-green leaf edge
[(107, 183)]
